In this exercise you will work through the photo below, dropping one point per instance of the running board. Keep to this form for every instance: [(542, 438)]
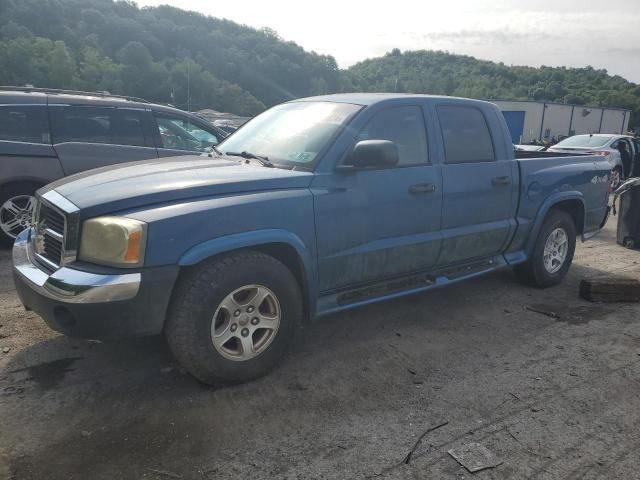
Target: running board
[(384, 288), (468, 269), (332, 302)]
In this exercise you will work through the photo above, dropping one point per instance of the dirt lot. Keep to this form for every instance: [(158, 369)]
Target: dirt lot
[(552, 397)]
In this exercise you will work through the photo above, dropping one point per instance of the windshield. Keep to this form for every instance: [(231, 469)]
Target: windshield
[(583, 141), (292, 133)]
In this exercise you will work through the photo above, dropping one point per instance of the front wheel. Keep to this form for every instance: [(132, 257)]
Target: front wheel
[(552, 252), (231, 319)]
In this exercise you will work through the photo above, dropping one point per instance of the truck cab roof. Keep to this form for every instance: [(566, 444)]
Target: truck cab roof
[(367, 99)]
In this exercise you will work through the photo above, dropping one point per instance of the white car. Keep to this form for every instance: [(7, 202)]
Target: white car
[(530, 148), (610, 146)]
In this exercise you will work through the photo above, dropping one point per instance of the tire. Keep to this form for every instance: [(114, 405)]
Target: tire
[(536, 271), (203, 313), (18, 194)]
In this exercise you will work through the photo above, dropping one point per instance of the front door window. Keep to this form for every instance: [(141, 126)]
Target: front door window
[(182, 134)]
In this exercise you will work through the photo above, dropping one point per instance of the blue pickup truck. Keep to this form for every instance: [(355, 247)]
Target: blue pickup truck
[(315, 206)]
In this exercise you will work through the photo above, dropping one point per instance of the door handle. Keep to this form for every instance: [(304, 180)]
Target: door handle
[(500, 181), (422, 188)]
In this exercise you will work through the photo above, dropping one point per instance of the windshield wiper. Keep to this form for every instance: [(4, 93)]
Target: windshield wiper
[(264, 161), (213, 149)]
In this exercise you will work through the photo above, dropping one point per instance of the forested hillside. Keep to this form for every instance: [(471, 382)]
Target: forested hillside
[(116, 46), (459, 75), (151, 52)]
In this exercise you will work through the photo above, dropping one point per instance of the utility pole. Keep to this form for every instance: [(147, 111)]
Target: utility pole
[(188, 88)]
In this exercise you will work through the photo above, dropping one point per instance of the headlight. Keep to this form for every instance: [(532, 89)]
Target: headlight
[(114, 241)]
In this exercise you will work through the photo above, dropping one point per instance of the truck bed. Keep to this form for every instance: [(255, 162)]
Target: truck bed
[(546, 178), (542, 154)]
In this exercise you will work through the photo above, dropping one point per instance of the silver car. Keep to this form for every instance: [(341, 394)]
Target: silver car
[(622, 151)]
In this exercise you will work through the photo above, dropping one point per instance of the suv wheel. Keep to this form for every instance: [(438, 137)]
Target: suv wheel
[(16, 211), (552, 253), (232, 319)]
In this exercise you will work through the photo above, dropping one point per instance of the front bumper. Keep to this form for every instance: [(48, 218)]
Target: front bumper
[(93, 305)]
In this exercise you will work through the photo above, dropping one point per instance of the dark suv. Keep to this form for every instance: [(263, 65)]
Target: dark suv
[(49, 134)]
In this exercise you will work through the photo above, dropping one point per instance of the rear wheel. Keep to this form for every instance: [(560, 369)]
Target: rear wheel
[(552, 252), (16, 211), (232, 319)]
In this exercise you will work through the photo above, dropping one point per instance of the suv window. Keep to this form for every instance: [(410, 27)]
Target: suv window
[(182, 134), (97, 125), (405, 127), (466, 135), (24, 123)]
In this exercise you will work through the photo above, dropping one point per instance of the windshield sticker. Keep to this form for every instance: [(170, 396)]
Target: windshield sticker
[(301, 156)]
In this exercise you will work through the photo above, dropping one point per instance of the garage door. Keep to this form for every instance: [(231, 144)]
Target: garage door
[(515, 122)]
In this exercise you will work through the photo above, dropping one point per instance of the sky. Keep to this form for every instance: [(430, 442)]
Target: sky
[(573, 33)]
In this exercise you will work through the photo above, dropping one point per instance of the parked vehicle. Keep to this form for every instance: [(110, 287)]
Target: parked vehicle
[(313, 207), (48, 134), (227, 125), (530, 148), (622, 152)]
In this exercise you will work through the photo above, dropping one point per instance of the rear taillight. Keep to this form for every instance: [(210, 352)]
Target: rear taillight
[(602, 153)]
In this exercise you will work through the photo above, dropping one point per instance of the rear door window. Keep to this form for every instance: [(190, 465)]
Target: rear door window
[(182, 134), (24, 123), (466, 135), (98, 125)]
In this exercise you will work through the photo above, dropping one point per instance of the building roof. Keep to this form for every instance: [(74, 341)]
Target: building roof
[(502, 100)]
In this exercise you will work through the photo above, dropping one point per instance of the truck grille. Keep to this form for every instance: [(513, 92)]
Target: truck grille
[(51, 218), (50, 230)]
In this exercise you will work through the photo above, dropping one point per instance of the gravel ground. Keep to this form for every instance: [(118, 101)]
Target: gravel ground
[(551, 397)]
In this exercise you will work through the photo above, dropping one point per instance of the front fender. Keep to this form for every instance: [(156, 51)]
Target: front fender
[(257, 238), (547, 205), (227, 243)]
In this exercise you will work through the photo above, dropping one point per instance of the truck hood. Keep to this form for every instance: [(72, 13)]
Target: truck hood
[(131, 185)]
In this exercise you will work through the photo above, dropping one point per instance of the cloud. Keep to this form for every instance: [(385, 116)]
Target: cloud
[(574, 33)]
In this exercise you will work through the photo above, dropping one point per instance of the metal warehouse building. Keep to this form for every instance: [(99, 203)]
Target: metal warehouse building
[(529, 121)]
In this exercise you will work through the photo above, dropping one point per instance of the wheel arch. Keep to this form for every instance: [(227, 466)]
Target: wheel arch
[(569, 202), (34, 181), (282, 245)]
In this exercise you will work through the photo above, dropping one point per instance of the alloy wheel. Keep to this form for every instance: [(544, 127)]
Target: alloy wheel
[(246, 322), (555, 250), (16, 214)]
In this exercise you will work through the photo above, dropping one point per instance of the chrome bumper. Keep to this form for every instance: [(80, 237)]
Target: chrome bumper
[(70, 285)]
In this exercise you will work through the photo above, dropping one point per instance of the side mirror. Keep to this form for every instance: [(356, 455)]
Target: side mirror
[(373, 153)]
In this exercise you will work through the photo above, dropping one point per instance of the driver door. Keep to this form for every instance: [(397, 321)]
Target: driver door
[(176, 135)]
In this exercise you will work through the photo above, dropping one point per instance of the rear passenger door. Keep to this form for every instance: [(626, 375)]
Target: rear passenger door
[(478, 186), (180, 135), (88, 137)]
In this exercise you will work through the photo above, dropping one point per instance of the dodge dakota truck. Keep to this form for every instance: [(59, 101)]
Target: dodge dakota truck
[(315, 206)]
